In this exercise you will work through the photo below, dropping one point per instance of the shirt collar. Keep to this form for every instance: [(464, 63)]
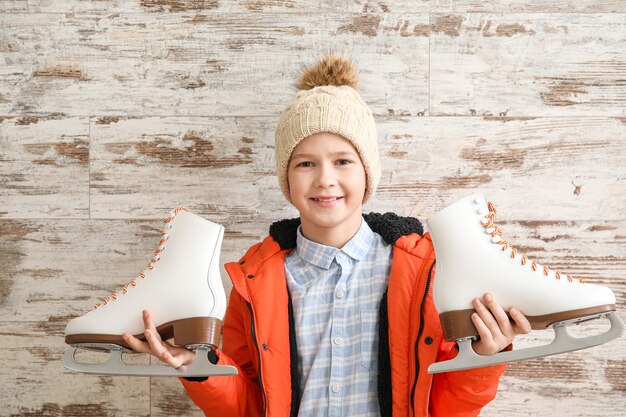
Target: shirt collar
[(323, 256)]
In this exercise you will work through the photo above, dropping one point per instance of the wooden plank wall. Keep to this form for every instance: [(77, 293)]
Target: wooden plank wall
[(114, 112)]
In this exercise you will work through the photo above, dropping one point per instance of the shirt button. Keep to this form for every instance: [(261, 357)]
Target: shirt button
[(338, 340), (335, 388), (339, 294)]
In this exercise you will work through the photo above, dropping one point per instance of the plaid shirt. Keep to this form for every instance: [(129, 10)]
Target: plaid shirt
[(335, 295)]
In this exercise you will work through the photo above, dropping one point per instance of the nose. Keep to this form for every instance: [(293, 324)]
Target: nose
[(325, 176)]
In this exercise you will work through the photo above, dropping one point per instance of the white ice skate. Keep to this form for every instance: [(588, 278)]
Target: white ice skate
[(473, 258), (182, 289)]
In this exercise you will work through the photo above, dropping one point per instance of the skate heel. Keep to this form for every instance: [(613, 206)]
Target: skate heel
[(457, 324), (197, 331)]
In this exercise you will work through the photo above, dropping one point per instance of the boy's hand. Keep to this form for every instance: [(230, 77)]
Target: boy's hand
[(172, 355), (494, 327)]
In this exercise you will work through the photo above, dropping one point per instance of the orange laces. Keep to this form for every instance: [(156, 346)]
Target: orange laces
[(488, 222), (155, 258)]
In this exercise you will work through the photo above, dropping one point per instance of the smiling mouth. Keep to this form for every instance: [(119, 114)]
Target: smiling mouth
[(326, 199)]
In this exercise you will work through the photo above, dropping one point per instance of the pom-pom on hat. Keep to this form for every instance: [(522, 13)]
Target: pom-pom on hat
[(328, 101)]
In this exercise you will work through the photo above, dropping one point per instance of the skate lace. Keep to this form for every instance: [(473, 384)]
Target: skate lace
[(488, 222), (157, 255)]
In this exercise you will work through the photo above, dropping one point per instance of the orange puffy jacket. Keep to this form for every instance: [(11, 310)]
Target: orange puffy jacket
[(258, 336)]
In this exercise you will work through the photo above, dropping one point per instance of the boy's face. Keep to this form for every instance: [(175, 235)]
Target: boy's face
[(326, 181)]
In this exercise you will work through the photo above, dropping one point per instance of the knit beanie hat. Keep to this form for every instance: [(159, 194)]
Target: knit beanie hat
[(328, 101)]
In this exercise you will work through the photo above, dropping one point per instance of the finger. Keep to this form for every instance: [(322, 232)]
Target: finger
[(168, 353), (172, 347), (500, 315), (482, 328), (522, 325), (487, 317), (182, 357), (136, 344), (171, 355), (148, 323), (486, 337), (177, 356), (152, 335), (173, 360), (155, 342)]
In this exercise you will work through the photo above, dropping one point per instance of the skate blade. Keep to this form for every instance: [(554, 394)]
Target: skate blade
[(563, 342), (115, 366)]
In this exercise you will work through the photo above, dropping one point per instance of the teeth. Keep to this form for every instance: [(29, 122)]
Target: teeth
[(326, 200)]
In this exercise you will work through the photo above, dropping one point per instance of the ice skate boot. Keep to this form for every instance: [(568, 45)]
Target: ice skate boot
[(473, 258), (182, 289)]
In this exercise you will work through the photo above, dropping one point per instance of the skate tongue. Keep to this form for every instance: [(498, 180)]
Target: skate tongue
[(488, 222)]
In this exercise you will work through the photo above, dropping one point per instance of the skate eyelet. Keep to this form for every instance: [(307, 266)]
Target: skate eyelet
[(496, 233)]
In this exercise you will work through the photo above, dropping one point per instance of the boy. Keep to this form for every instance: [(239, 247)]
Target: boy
[(332, 314)]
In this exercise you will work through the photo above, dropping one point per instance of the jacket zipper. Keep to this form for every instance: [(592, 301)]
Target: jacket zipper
[(419, 335), (258, 352)]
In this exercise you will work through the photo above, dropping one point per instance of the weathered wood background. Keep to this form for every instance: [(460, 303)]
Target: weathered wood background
[(113, 112)]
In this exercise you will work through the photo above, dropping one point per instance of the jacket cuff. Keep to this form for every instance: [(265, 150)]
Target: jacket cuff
[(213, 358)]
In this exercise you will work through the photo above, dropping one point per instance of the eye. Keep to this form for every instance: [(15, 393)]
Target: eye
[(305, 164), (344, 161)]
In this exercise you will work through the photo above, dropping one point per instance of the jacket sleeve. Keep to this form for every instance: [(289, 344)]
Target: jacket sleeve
[(462, 393), (235, 396)]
